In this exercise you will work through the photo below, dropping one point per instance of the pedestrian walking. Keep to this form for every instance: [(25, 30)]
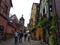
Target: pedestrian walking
[(20, 36), (25, 36), (28, 36), (16, 36)]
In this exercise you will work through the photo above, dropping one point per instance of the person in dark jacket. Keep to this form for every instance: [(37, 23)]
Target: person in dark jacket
[(16, 36), (29, 36), (25, 36), (20, 36)]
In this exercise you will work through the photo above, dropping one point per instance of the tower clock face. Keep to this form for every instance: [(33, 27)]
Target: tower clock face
[(22, 22)]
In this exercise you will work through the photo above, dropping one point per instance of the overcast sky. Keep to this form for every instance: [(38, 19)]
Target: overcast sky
[(22, 7)]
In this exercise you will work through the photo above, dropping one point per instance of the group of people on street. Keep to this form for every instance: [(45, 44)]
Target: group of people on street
[(20, 35)]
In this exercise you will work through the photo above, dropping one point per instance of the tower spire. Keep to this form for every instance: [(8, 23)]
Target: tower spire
[(22, 15)]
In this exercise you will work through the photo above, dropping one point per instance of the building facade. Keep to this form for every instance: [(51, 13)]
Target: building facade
[(57, 2), (34, 14), (44, 12), (50, 8), (14, 22), (5, 6), (35, 33), (44, 8), (7, 24)]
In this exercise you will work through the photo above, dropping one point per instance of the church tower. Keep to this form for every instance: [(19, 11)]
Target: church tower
[(21, 21)]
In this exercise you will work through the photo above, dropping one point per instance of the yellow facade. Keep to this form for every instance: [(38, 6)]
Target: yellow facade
[(39, 34), (33, 14)]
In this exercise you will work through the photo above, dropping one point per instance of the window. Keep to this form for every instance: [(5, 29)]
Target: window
[(43, 11), (0, 1), (1, 27), (10, 22), (6, 8), (0, 9)]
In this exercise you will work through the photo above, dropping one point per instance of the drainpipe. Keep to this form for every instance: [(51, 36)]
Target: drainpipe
[(48, 19), (48, 9), (48, 14)]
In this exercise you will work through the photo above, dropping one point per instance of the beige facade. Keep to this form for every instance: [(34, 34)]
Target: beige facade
[(37, 32), (33, 14), (44, 8)]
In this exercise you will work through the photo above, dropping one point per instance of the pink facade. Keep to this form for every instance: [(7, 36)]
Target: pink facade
[(5, 6), (3, 22), (58, 7), (57, 2), (10, 29)]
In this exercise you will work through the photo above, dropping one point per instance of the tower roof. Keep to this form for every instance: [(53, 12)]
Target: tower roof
[(22, 18)]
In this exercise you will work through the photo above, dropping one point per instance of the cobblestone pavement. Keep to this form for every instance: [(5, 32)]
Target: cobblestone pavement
[(11, 42), (31, 42)]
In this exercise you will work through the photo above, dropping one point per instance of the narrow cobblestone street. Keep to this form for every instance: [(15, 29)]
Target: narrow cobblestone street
[(11, 42), (32, 42)]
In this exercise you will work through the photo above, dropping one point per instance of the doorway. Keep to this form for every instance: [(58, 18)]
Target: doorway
[(1, 32)]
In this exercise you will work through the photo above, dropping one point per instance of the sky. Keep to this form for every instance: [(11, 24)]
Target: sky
[(22, 7)]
